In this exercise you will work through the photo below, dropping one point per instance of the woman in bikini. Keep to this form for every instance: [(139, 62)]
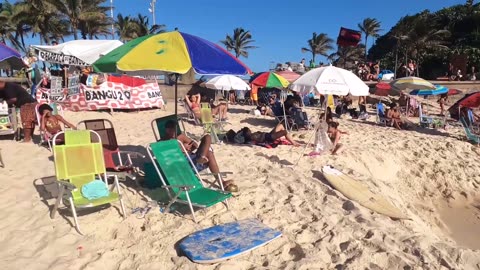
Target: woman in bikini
[(50, 122), (263, 137), (194, 103)]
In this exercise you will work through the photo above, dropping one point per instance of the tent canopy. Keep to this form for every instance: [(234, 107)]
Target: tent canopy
[(76, 52)]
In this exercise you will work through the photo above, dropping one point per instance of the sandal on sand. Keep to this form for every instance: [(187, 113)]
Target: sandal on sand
[(202, 160)]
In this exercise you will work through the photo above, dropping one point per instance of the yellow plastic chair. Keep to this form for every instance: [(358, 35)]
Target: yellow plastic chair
[(208, 121), (77, 163)]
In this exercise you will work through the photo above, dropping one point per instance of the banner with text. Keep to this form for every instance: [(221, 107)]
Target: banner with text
[(105, 96)]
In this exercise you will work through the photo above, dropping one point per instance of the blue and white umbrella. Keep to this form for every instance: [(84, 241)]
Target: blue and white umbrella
[(439, 90)]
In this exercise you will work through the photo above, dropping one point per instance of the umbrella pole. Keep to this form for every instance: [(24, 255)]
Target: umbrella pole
[(176, 93)]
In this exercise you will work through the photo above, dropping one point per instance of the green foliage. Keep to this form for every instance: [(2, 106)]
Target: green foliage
[(128, 28), (240, 42), (318, 44), (431, 38)]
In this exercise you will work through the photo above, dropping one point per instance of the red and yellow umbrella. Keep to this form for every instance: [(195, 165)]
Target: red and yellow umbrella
[(269, 80)]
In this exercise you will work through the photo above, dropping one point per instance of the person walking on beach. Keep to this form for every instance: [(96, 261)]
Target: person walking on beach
[(15, 95)]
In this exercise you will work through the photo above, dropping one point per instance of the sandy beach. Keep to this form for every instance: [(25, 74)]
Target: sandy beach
[(428, 174)]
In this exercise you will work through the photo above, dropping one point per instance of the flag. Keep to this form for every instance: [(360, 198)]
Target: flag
[(348, 37)]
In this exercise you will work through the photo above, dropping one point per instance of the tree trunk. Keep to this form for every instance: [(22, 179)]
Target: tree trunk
[(366, 48), (313, 58)]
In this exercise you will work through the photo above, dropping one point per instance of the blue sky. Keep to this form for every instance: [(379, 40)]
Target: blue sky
[(280, 28)]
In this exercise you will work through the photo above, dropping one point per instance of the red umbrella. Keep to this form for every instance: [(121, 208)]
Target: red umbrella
[(382, 89), (470, 101), (452, 92), (289, 75)]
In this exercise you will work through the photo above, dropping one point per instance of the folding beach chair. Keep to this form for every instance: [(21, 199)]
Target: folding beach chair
[(77, 163), (158, 126), (183, 184), (471, 121), (46, 137), (190, 115), (209, 124), (381, 117), (470, 135), (115, 160), (425, 120)]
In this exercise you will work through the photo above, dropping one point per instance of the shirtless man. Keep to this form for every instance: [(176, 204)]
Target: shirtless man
[(393, 115)]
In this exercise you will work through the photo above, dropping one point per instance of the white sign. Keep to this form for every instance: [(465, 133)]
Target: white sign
[(56, 86), (60, 58)]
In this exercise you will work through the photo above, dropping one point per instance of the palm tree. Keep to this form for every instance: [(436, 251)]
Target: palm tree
[(347, 55), (8, 29), (125, 27), (144, 28), (80, 11), (240, 42), (370, 27), (319, 44), (43, 18)]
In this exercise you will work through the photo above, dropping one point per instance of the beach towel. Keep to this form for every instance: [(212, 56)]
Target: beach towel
[(94, 190)]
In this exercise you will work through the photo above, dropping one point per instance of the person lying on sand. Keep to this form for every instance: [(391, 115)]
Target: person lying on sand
[(50, 122), (269, 137), (201, 154), (334, 135)]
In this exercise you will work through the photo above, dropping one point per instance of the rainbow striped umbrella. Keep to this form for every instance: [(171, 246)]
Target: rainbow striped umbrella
[(439, 90), (269, 80), (412, 83)]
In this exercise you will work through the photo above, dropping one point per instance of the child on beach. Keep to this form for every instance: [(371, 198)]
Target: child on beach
[(442, 101), (334, 134), (50, 122)]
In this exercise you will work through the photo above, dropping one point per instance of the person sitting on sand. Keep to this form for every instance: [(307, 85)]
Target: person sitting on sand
[(201, 154), (269, 137), (394, 117), (50, 122), (334, 135)]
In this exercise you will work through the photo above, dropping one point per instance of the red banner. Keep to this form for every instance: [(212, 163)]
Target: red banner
[(348, 37), (105, 96)]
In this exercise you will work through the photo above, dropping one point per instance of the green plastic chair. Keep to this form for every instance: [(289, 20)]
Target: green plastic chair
[(182, 183), (77, 163), (158, 126), (470, 136)]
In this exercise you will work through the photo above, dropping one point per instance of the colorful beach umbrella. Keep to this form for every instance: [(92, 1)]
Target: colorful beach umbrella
[(289, 75), (452, 92), (10, 58), (269, 80), (412, 83), (227, 82), (171, 52), (439, 90), (330, 80)]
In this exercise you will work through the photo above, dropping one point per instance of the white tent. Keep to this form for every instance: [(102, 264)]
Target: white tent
[(76, 52)]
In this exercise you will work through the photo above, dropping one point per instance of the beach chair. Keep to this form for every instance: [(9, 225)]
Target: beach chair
[(190, 114), (116, 162), (209, 124), (46, 137), (183, 184), (77, 163), (381, 117), (471, 121), (425, 120), (468, 132)]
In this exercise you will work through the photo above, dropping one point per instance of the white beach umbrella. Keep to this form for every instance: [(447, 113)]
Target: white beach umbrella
[(227, 82), (330, 80)]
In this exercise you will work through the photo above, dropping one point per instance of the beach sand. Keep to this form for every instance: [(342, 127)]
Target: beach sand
[(422, 171)]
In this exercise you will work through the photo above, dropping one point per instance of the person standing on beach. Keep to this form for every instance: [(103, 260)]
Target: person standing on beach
[(16, 95)]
